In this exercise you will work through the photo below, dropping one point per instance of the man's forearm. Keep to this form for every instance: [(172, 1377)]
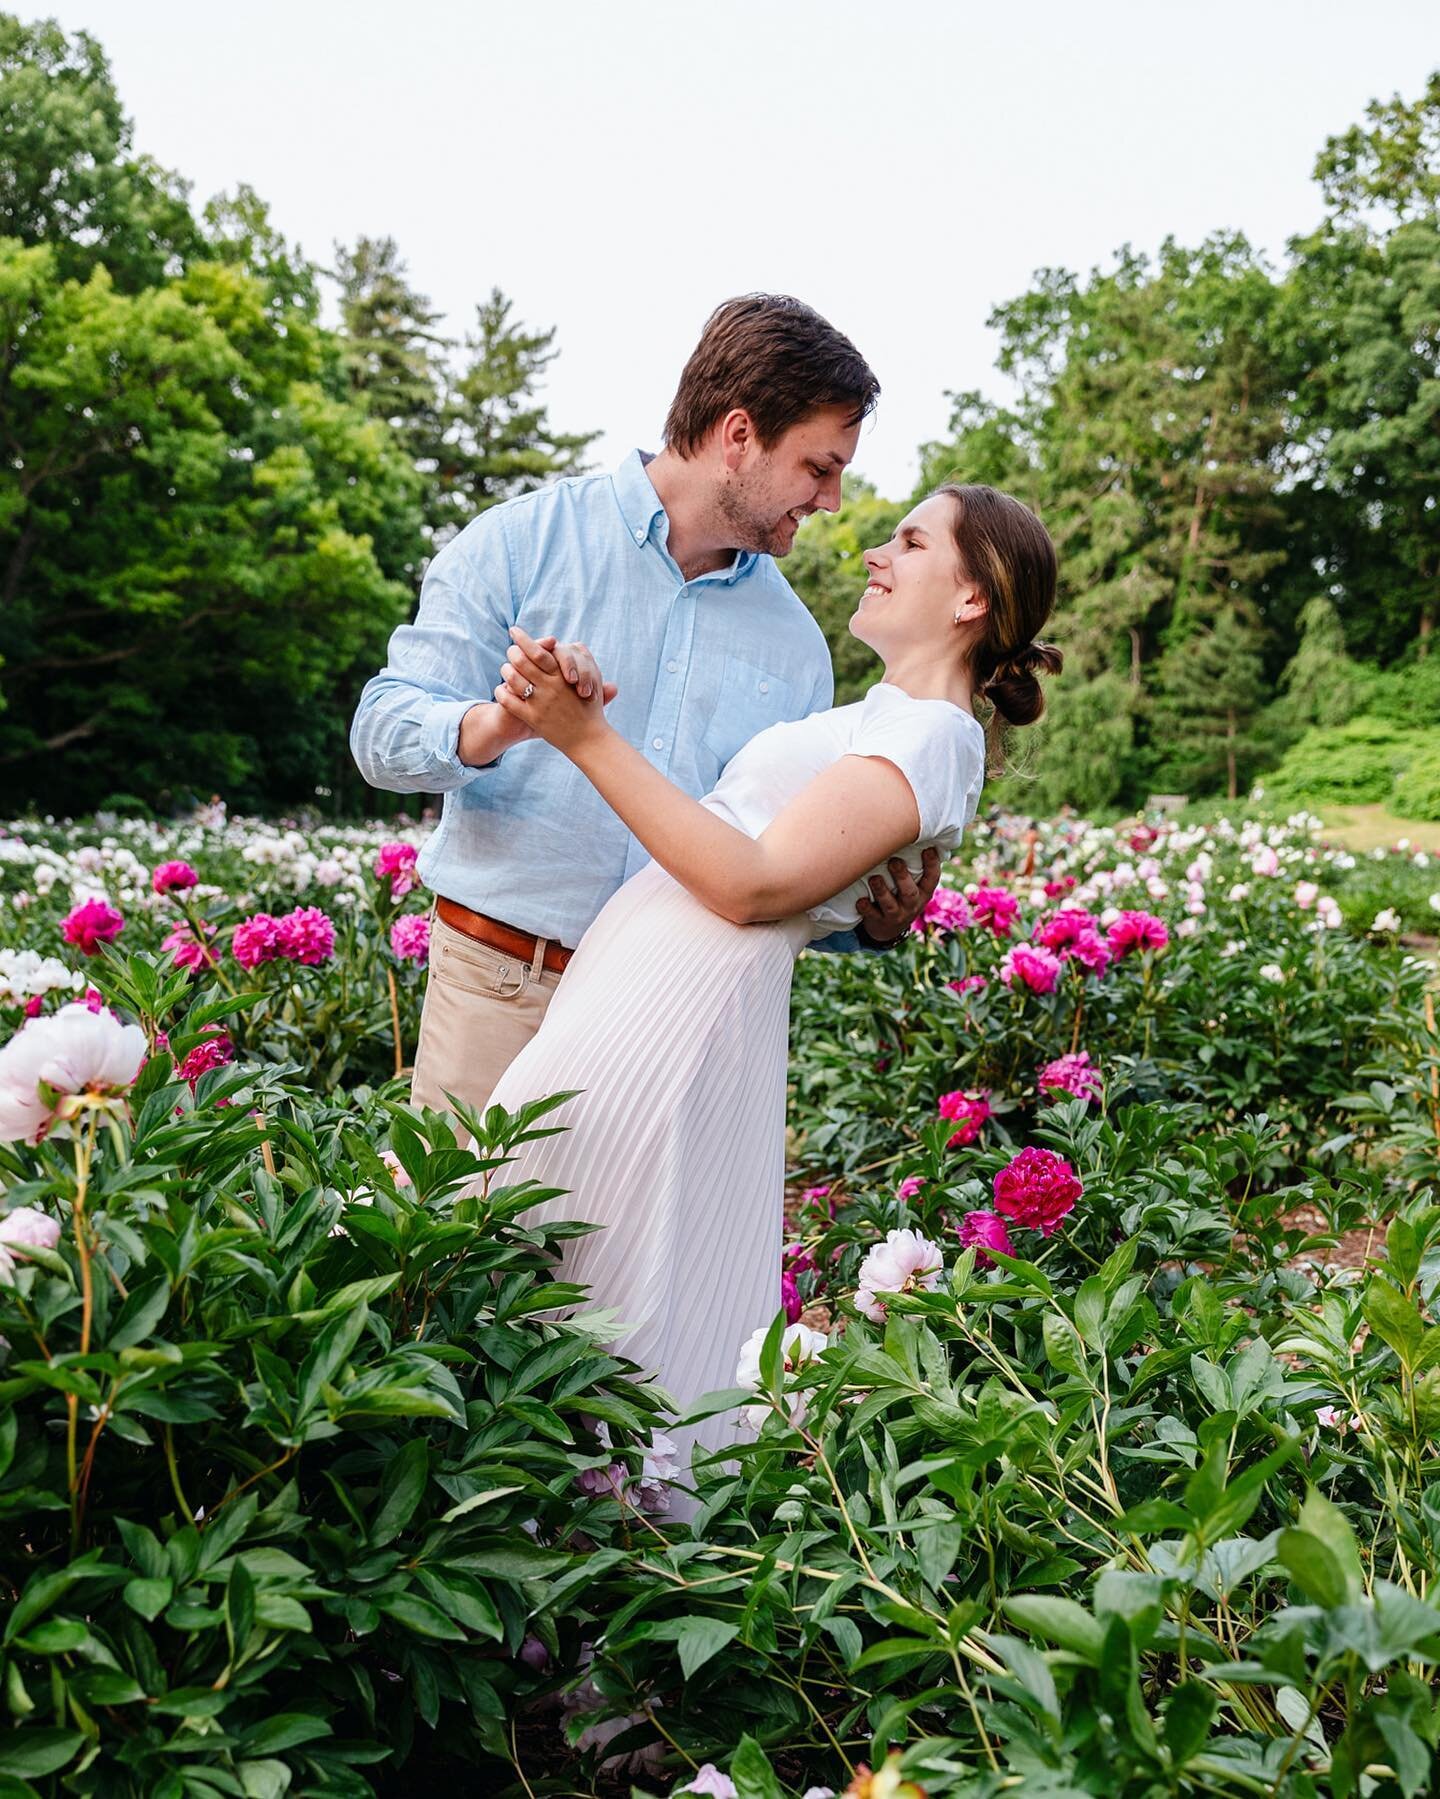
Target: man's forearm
[(405, 740)]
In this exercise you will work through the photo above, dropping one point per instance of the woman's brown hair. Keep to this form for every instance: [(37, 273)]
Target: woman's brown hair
[(1007, 553)]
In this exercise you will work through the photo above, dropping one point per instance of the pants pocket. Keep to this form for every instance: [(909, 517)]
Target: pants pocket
[(475, 967)]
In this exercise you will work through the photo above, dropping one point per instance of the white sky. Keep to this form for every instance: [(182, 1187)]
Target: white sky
[(619, 167)]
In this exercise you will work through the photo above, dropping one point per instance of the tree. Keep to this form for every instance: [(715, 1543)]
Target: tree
[(1210, 689), (1320, 684), (825, 570), (68, 176), (497, 440)]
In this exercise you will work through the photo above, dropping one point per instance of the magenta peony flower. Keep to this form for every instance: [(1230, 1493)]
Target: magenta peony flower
[(306, 935), (186, 950), (985, 1230), (911, 1185), (35, 1005), (91, 924), (1137, 930), (970, 1109), (410, 938), (1036, 969), (215, 1052), (968, 983), (173, 877), (946, 910), (1036, 1190), (994, 909), (93, 999), (1090, 950), (255, 940), (1061, 930), (1076, 1075), (790, 1297), (1053, 889), (795, 1258), (396, 862)]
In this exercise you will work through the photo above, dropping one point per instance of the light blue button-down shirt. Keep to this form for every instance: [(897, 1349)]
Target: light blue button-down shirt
[(701, 666)]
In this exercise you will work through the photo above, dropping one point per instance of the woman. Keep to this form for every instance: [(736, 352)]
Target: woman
[(672, 1017)]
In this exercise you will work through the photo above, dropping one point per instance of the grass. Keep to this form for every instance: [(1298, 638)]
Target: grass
[(1375, 827)]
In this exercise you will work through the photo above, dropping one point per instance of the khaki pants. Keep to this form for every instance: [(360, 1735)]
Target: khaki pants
[(481, 1008)]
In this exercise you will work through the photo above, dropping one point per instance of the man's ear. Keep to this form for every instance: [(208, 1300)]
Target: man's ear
[(737, 438)]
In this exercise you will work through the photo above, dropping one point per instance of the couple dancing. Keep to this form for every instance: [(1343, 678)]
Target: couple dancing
[(638, 842)]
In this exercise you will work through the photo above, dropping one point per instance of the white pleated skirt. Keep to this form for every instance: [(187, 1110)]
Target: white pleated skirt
[(673, 1023)]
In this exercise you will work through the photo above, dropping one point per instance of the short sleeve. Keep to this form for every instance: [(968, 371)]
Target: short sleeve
[(939, 753)]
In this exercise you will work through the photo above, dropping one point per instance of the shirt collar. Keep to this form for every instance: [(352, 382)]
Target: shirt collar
[(645, 517)]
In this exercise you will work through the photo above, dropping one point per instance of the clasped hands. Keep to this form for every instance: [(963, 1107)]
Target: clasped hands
[(555, 690)]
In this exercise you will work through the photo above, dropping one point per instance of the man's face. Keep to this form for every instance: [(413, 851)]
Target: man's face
[(775, 486)]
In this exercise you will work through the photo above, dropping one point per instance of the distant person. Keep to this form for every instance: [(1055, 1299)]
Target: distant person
[(667, 568), (670, 1025)]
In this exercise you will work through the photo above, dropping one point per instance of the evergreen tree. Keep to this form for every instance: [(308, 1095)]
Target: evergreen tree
[(497, 437), (1320, 684), (1210, 689)]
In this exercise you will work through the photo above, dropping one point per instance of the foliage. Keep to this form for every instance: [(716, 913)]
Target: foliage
[(1417, 789), (1349, 764)]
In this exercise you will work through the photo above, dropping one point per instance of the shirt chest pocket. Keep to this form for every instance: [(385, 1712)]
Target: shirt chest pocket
[(745, 701)]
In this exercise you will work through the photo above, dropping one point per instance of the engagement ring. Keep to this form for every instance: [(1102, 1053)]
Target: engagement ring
[(529, 690)]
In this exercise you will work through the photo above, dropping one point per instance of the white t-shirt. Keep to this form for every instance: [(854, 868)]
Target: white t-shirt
[(937, 746)]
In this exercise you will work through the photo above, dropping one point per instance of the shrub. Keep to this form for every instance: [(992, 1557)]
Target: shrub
[(1351, 764), (1416, 792)]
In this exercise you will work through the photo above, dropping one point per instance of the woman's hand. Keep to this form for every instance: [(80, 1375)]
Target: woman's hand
[(535, 692)]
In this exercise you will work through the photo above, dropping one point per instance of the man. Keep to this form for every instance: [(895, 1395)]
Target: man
[(667, 568)]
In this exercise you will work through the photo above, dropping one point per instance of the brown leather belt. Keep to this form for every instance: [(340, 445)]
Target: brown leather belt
[(519, 944)]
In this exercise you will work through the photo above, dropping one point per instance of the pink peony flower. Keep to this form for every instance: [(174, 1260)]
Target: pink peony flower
[(796, 1258), (396, 862), (1036, 969), (1306, 894), (946, 910), (1036, 1190), (1090, 950), (1137, 930), (968, 983), (91, 924), (986, 1231), (1265, 861), (1053, 889), (306, 935), (1076, 1075), (905, 1262), (911, 1185), (186, 950), (255, 940), (790, 1297), (93, 999), (173, 877), (1061, 930), (710, 1781), (994, 909), (35, 1005), (410, 938), (216, 1051), (971, 1109), (22, 1229), (74, 1051)]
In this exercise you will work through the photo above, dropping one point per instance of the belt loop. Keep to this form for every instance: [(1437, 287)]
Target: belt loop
[(537, 962)]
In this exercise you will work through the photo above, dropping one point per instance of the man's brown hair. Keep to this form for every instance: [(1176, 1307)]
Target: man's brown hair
[(775, 357)]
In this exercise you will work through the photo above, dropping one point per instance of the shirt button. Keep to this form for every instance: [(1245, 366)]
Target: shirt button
[(639, 535), (657, 743), (671, 666), (764, 687)]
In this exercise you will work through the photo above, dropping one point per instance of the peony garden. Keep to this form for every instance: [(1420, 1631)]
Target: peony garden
[(1090, 1447)]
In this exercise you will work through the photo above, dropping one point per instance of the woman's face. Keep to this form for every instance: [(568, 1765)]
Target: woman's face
[(916, 584)]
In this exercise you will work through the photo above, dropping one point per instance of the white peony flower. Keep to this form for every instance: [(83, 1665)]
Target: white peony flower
[(1271, 971), (799, 1347), (1387, 923), (905, 1262), (1240, 891), (73, 1051)]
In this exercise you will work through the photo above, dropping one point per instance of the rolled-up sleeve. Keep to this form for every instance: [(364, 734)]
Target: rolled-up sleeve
[(406, 730)]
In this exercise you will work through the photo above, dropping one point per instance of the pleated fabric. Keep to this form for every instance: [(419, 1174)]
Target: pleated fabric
[(674, 1024)]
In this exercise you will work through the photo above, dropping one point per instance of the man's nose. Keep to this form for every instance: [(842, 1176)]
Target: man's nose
[(828, 498)]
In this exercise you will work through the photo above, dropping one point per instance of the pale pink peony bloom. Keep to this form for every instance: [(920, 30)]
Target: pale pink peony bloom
[(186, 951), (410, 938), (905, 1262), (994, 910), (1137, 930), (970, 1109), (708, 1780), (74, 1051), (1036, 1190), (986, 1231), (1265, 862), (1328, 914), (1306, 894), (1036, 969), (24, 1228), (946, 909), (173, 877), (650, 1492), (1076, 1075), (396, 862), (909, 1187), (798, 1348), (90, 924), (306, 935), (255, 940), (396, 1167)]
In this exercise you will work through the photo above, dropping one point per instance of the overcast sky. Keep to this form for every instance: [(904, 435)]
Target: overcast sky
[(619, 166)]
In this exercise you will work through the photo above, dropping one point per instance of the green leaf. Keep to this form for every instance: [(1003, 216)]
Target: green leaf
[(1188, 1714), (403, 1487), (421, 1616), (1326, 1521), (34, 1750), (696, 1639), (475, 1501), (1062, 1344), (1062, 1621), (752, 1774), (1312, 1566), (463, 1597), (148, 1597), (286, 1731), (1394, 1318)]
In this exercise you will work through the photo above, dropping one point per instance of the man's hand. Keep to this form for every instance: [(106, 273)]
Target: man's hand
[(890, 912), (579, 668)]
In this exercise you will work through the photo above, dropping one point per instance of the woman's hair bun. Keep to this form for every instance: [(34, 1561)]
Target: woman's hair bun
[(1012, 687)]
